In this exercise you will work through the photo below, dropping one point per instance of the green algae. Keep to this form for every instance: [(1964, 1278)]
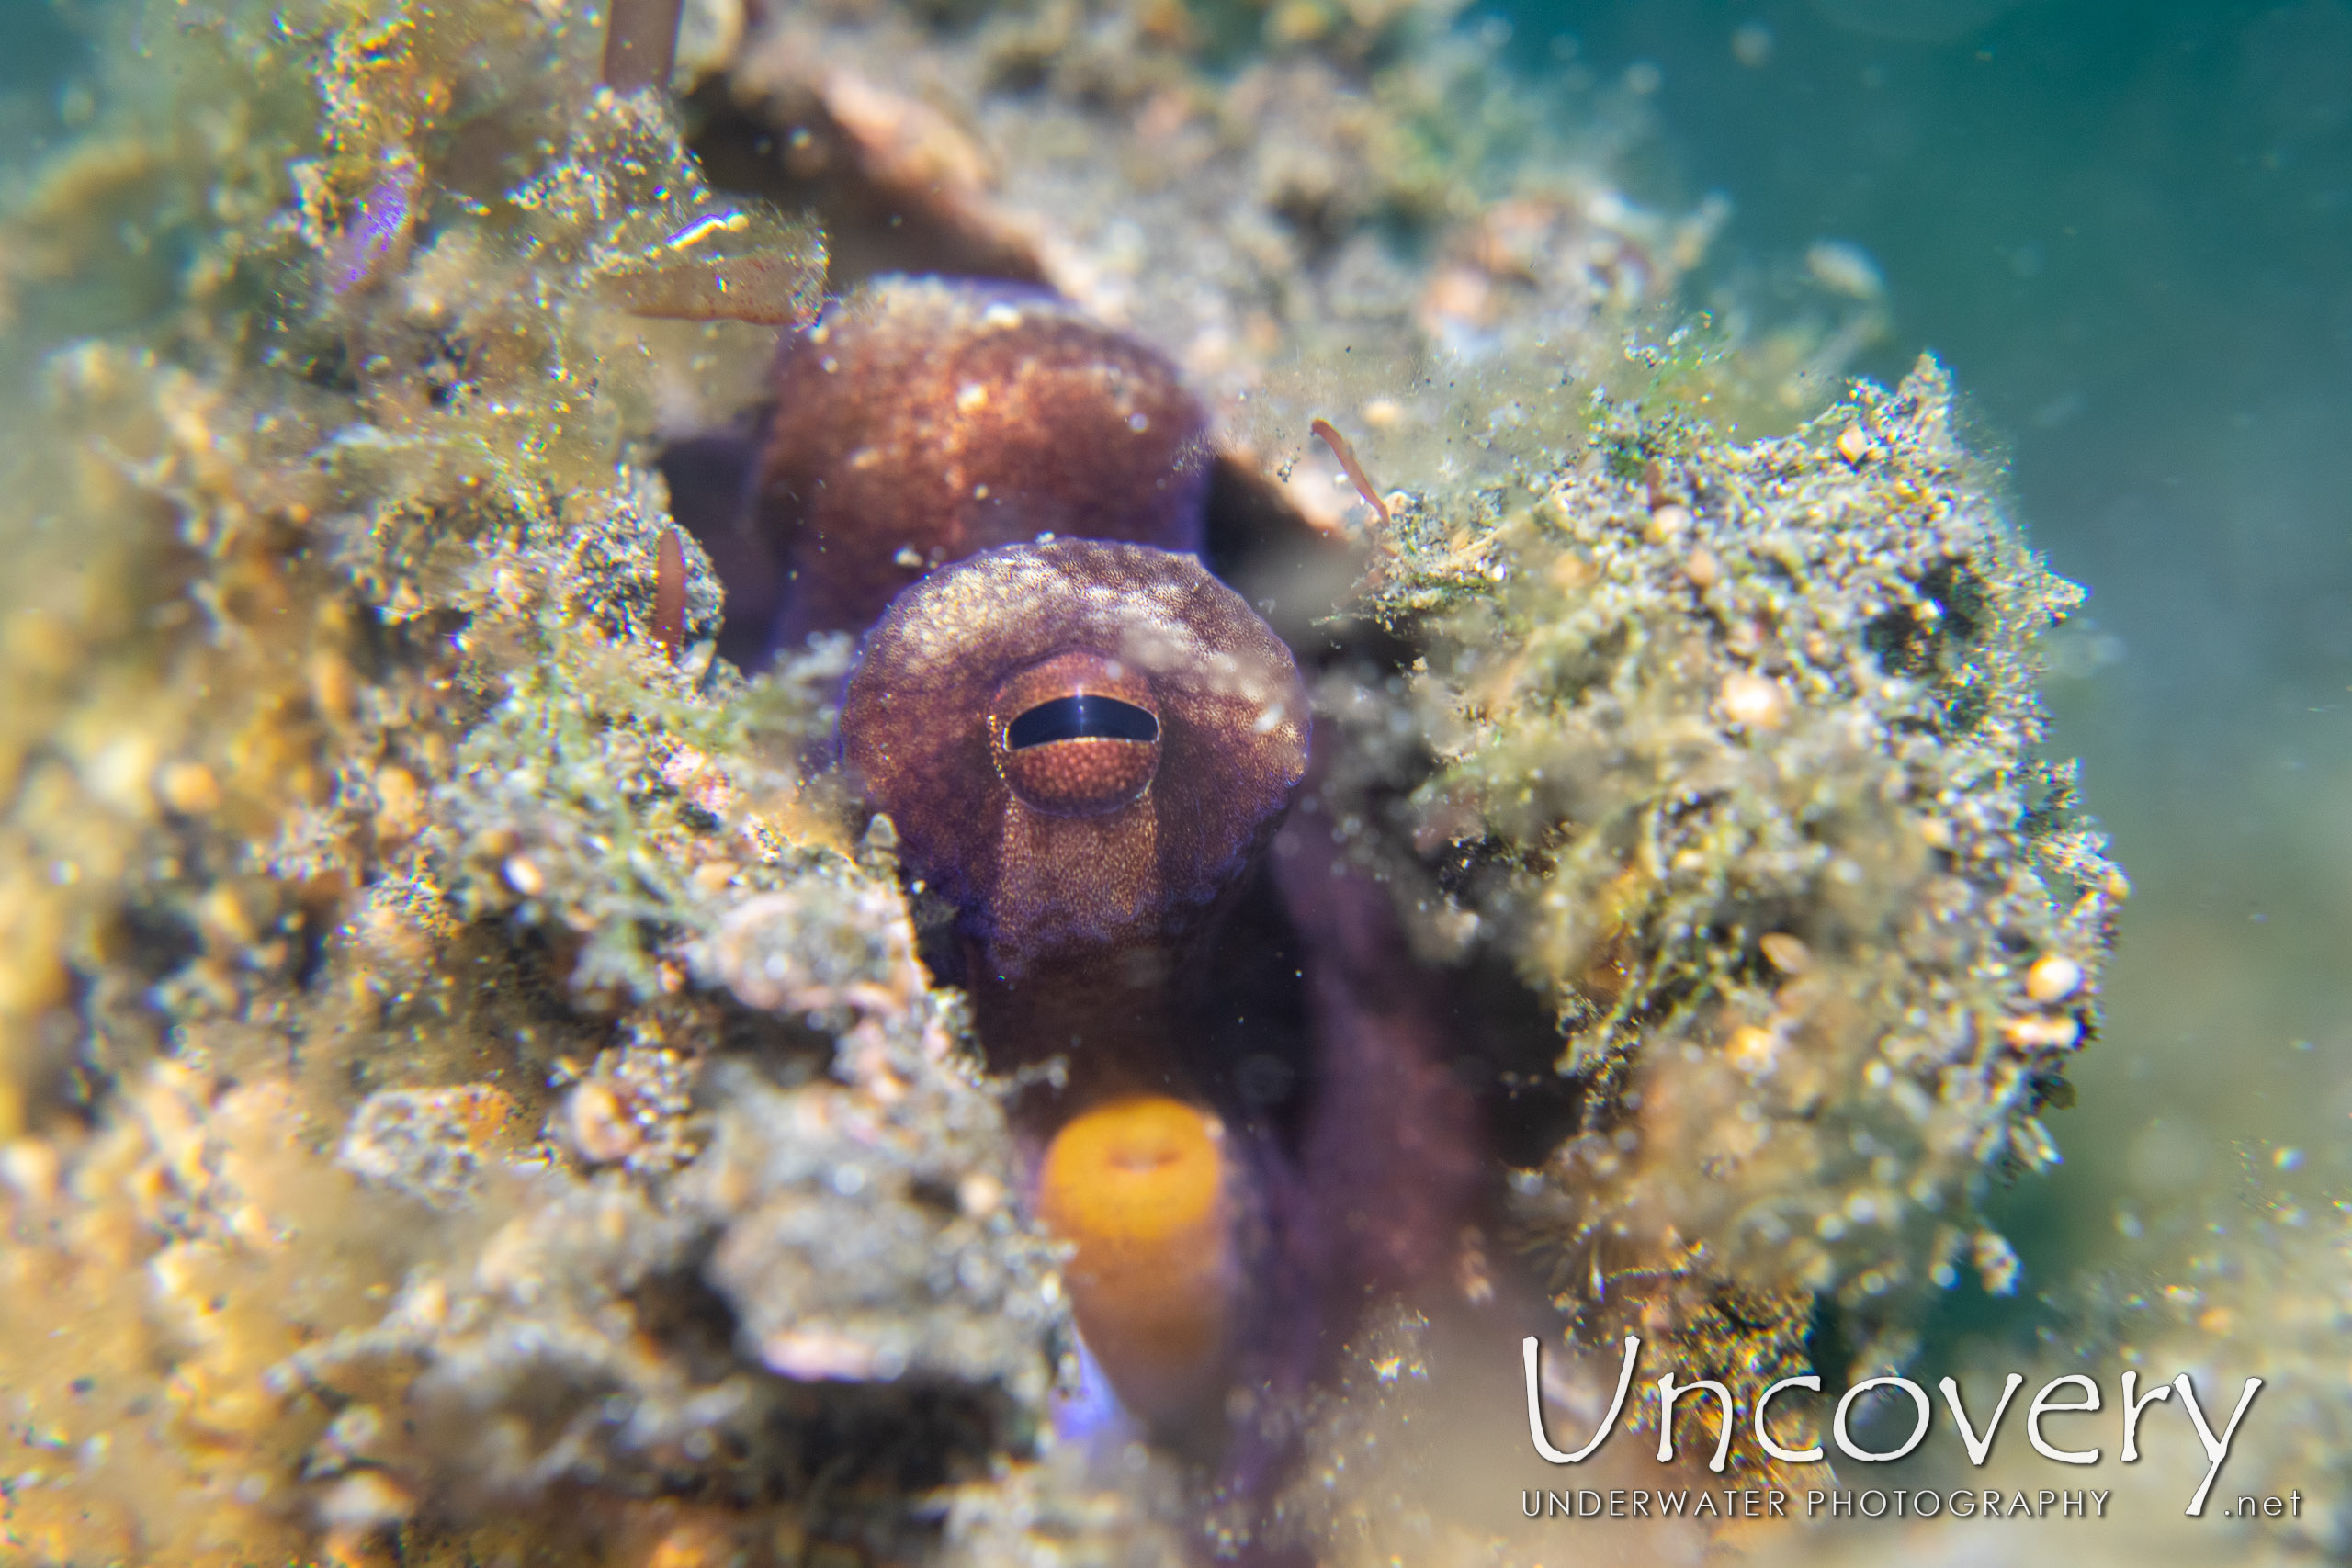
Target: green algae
[(1737, 758), (361, 1047)]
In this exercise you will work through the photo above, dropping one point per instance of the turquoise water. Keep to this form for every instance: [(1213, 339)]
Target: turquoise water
[(37, 49), (2126, 226)]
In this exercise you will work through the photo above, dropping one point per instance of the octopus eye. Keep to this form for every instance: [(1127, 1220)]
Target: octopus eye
[(1080, 718), (1083, 738)]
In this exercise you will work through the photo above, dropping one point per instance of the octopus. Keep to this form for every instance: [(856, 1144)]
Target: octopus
[(1237, 1110)]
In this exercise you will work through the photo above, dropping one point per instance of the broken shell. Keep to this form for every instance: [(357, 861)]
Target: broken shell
[(598, 1126), (1755, 701), (2052, 978), (1751, 1049), (2038, 1033)]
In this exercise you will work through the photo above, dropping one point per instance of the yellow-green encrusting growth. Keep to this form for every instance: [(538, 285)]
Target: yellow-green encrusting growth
[(464, 1096), (1735, 757)]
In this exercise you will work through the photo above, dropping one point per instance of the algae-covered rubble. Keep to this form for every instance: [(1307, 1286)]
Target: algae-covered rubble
[(1735, 758), (469, 1095), (470, 1089)]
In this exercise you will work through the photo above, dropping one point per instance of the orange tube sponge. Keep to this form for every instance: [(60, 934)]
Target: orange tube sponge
[(1145, 1188)]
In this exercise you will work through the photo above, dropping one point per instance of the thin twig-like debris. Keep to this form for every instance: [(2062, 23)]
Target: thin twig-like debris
[(1329, 435), (670, 594)]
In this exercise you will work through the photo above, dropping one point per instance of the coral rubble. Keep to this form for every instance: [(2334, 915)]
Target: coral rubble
[(470, 1088), (1735, 758), (466, 1086)]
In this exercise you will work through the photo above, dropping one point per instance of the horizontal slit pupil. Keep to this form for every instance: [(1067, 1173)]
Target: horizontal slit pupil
[(1081, 717)]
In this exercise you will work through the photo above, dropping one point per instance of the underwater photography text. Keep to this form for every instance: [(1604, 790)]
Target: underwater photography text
[(2050, 1399)]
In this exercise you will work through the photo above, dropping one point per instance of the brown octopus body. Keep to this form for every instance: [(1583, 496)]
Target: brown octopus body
[(1085, 745)]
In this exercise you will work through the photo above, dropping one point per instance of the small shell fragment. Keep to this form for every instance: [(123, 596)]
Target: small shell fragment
[(2054, 978), (980, 1194), (1751, 1049), (2038, 1031), (1755, 701), (598, 1125), (376, 232), (1786, 953)]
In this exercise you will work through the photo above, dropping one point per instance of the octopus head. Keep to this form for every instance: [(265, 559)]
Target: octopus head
[(1084, 744), (920, 419)]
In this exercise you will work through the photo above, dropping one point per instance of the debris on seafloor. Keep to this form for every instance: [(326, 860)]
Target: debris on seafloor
[(1344, 450), (739, 264), (471, 1086)]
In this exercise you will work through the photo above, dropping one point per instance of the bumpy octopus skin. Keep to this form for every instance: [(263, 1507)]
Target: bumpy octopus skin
[(1078, 841), (920, 421)]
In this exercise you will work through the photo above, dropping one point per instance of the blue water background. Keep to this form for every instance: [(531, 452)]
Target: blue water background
[(2128, 228)]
